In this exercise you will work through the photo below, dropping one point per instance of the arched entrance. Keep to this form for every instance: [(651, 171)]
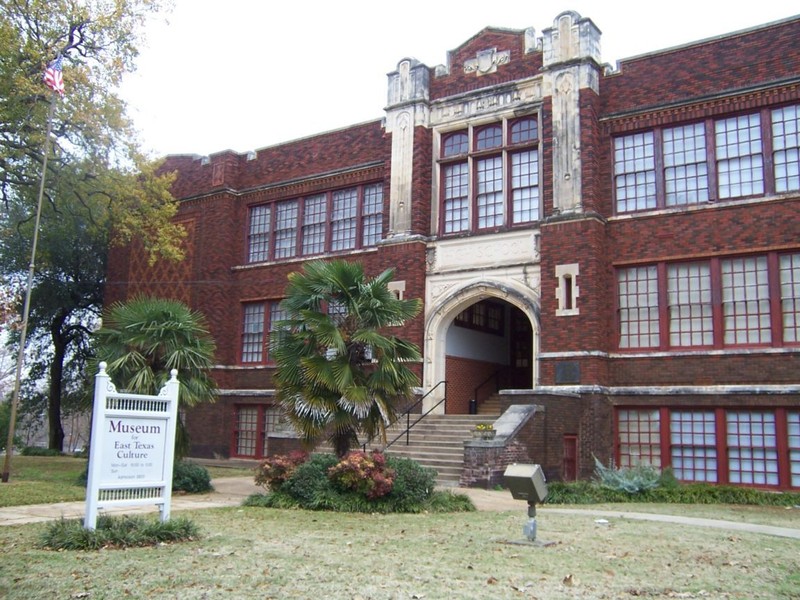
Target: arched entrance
[(480, 337)]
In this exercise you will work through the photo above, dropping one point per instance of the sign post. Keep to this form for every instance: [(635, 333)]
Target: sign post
[(132, 448)]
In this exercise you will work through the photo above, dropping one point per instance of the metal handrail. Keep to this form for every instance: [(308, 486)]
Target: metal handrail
[(484, 382), (407, 414)]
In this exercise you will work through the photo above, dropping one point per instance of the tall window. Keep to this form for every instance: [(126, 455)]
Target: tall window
[(334, 221), (752, 448), (693, 448), (258, 318), (690, 312), (634, 172), (286, 229), (717, 303), (314, 224), (786, 148), (790, 296), (745, 301), (793, 429), (253, 333), (343, 217), (638, 307), (740, 166), (490, 177), (684, 165), (258, 240)]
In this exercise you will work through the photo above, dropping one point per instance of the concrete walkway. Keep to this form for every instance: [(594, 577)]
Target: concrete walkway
[(231, 491)]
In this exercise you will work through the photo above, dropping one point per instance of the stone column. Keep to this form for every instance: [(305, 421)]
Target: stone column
[(408, 107)]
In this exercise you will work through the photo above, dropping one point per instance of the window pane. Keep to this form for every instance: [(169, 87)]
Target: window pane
[(525, 186), (639, 438), (490, 192), (786, 148), (638, 307), (489, 137), (693, 445), (372, 215), (745, 301), (455, 144), (314, 224), (258, 238), (689, 304), (343, 220), (685, 168), (286, 229), (253, 333), (790, 296), (739, 160), (524, 130), (752, 451), (276, 315), (456, 202)]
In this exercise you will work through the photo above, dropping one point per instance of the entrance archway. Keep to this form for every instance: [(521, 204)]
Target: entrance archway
[(480, 336)]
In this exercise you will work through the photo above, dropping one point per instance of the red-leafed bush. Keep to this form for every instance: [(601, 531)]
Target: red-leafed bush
[(365, 474), (273, 472)]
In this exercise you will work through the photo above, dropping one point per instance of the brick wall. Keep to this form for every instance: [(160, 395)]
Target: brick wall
[(463, 376)]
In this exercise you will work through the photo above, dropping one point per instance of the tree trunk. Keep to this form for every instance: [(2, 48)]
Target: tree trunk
[(56, 431)]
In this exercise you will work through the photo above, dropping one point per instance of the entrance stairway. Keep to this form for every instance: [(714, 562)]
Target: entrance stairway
[(437, 442)]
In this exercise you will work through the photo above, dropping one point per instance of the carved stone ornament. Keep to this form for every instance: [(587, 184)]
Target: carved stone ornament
[(487, 61)]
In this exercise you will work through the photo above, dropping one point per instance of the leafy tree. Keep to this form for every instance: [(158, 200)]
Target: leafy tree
[(338, 373), (99, 188), (144, 338)]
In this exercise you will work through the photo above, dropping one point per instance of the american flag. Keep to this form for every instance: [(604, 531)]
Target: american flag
[(53, 78)]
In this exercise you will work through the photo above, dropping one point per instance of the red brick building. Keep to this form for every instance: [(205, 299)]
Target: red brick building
[(620, 247)]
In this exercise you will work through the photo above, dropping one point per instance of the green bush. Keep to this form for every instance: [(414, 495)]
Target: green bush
[(186, 477), (587, 492), (413, 483), (309, 480), (5, 423), (115, 532), (37, 451), (190, 478)]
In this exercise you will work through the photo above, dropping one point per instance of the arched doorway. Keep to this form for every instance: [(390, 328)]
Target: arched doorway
[(480, 337)]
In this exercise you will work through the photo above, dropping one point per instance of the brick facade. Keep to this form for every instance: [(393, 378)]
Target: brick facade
[(584, 377)]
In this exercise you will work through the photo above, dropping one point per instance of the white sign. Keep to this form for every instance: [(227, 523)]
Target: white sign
[(132, 448)]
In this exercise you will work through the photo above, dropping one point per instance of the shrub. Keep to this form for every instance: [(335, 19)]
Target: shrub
[(325, 483), (586, 492), (413, 483), (309, 480), (362, 473), (632, 480), (37, 451), (115, 532), (274, 471), (190, 478)]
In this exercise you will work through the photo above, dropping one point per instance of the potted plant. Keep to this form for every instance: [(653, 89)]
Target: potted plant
[(484, 431)]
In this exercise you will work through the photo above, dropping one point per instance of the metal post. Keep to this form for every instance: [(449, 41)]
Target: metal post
[(27, 306)]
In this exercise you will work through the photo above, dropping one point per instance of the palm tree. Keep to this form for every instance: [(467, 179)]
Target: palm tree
[(143, 339), (338, 374)]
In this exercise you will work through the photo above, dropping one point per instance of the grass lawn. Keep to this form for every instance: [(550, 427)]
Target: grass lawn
[(49, 479), (267, 553)]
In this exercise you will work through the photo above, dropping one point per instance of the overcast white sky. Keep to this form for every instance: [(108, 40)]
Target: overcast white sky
[(245, 74)]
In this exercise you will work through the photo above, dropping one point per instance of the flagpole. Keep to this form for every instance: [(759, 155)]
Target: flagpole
[(27, 305)]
